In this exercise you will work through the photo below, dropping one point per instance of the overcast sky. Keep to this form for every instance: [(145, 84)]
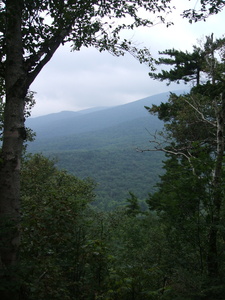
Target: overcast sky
[(78, 80)]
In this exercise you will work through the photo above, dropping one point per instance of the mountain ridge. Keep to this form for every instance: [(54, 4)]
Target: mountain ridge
[(104, 149), (71, 123)]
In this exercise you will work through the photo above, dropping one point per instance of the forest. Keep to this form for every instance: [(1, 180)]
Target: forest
[(108, 154), (54, 242), (173, 247)]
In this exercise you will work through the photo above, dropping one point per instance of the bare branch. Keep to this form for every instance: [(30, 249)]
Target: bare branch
[(200, 113)]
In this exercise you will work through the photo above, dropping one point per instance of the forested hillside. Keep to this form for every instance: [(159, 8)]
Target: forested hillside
[(103, 145), (172, 250)]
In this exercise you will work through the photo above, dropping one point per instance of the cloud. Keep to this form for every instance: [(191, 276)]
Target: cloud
[(79, 80)]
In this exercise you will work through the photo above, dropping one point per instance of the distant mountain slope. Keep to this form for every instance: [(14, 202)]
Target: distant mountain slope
[(68, 123), (102, 145), (134, 133)]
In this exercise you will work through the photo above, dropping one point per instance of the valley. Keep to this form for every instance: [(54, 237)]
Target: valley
[(102, 145)]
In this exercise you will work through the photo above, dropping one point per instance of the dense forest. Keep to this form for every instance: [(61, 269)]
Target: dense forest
[(56, 243), (104, 145), (116, 172), (85, 253), (173, 248)]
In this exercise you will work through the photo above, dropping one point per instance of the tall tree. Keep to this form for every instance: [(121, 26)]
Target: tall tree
[(30, 33), (199, 66), (187, 66), (54, 230), (194, 132)]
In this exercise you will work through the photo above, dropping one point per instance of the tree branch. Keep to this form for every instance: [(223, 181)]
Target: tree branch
[(48, 50), (200, 113)]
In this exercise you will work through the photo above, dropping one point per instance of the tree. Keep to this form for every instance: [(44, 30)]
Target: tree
[(31, 32), (132, 206), (197, 66), (207, 7), (191, 192), (71, 250), (54, 230), (187, 66), (137, 250)]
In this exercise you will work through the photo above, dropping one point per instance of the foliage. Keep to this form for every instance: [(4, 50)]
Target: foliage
[(110, 158), (52, 234), (187, 66), (207, 8), (115, 171), (69, 250), (199, 65), (138, 248), (30, 33), (190, 200), (132, 207), (47, 24)]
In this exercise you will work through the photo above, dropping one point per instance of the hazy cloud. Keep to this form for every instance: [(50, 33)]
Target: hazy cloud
[(78, 80)]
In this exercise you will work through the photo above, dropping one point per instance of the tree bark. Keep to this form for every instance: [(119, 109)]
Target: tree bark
[(18, 76), (213, 264), (10, 159)]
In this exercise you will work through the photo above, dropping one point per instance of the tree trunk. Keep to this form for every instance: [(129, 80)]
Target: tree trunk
[(10, 159), (213, 264)]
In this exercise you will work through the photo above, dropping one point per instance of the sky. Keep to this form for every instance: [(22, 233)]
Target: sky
[(87, 78)]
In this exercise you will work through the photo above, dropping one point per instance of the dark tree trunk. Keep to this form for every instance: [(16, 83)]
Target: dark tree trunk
[(18, 77), (10, 159)]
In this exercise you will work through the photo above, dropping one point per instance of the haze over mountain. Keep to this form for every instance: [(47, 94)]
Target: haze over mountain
[(101, 143), (66, 123)]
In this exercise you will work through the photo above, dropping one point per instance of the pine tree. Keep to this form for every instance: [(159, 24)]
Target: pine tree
[(190, 196)]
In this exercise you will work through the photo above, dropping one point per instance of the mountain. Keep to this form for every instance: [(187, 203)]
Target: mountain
[(68, 123), (102, 144)]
